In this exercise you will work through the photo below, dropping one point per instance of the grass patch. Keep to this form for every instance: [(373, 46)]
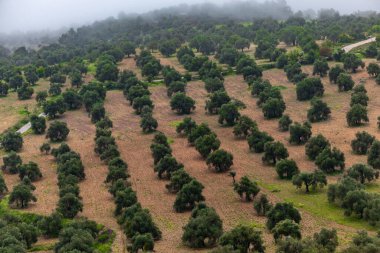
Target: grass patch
[(24, 112), (315, 203), (281, 87), (91, 68), (170, 140), (175, 123), (155, 83), (44, 247)]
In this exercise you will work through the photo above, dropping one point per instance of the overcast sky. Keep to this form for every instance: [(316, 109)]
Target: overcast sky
[(26, 15)]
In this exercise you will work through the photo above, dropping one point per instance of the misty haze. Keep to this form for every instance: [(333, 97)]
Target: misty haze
[(174, 126)]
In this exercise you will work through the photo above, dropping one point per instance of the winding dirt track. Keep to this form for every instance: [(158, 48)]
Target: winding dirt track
[(358, 44)]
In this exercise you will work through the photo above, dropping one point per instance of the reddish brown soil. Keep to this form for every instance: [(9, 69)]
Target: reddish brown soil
[(130, 64)]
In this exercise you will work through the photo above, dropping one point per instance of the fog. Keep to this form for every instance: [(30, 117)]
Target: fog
[(33, 15)]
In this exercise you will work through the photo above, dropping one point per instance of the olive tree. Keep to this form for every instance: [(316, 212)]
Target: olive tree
[(273, 152), (220, 160), (246, 188), (362, 143), (362, 173), (357, 115), (319, 111), (58, 131), (182, 103), (286, 169), (313, 180)]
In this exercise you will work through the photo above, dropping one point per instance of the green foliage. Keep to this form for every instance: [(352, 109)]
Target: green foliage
[(259, 86), (148, 123), (199, 131), (186, 126), (38, 124), (373, 69), (21, 195), (25, 92), (335, 73), (273, 108), (352, 62), (319, 111), (257, 141), (357, 115), (204, 224), (189, 195), (362, 143), (176, 87), (243, 238), (12, 141), (244, 127), (246, 188), (58, 131), (213, 85), (30, 170), (321, 67), (262, 205), (300, 134), (374, 155), (220, 160), (280, 212), (54, 107), (207, 144), (228, 114), (309, 88), (178, 179), (273, 152), (284, 123), (315, 146), (362, 173), (72, 99), (182, 103), (313, 180), (166, 166), (286, 228), (11, 163), (330, 160), (286, 169), (345, 82), (216, 101)]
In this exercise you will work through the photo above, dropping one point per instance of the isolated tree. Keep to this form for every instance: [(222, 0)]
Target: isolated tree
[(284, 123), (257, 141), (178, 179), (273, 108), (54, 107), (69, 205), (228, 114), (357, 115), (182, 103), (216, 100), (330, 160), (140, 102), (11, 163), (335, 72), (280, 212), (176, 87), (12, 141), (374, 155), (345, 82), (321, 67), (315, 146), (30, 170), (313, 180), (262, 205), (243, 238), (309, 88), (246, 188), (352, 62), (214, 84), (45, 148), (244, 127), (72, 99), (273, 152), (373, 69), (207, 144), (199, 131), (41, 97), (25, 92), (189, 195), (220, 160), (286, 169), (58, 131), (286, 228), (203, 229), (148, 123), (186, 126), (38, 124), (362, 143), (21, 195), (299, 134), (166, 166), (319, 111), (362, 173)]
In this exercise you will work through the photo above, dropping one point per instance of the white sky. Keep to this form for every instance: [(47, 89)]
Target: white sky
[(26, 15)]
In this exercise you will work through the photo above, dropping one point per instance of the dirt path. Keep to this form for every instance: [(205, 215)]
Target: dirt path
[(358, 44), (98, 204)]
